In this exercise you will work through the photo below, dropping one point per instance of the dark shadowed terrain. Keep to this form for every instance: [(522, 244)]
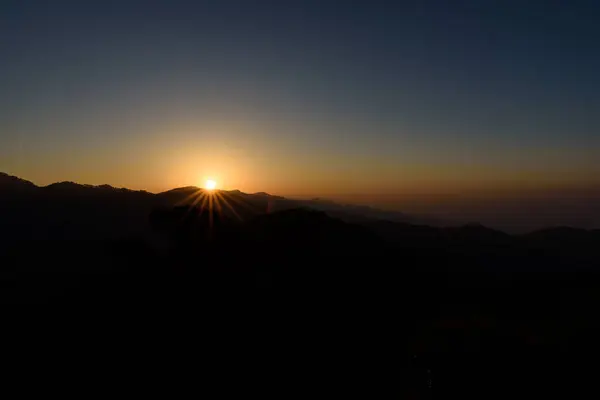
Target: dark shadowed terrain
[(415, 307)]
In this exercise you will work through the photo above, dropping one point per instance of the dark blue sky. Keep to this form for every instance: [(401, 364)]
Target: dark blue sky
[(301, 96)]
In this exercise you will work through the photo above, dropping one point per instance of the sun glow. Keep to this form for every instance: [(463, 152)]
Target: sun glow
[(210, 184)]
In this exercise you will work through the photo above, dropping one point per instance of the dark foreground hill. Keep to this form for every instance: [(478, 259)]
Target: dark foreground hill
[(374, 303)]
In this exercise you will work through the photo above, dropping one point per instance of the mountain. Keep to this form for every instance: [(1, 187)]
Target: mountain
[(11, 185), (72, 210), (308, 272)]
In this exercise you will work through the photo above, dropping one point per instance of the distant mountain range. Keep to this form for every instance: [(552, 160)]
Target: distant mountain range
[(72, 210)]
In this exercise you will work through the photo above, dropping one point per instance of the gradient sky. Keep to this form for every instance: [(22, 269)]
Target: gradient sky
[(323, 98)]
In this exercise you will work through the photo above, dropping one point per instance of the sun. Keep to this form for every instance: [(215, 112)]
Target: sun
[(210, 184)]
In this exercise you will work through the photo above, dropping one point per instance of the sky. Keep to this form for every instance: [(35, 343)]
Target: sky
[(340, 99)]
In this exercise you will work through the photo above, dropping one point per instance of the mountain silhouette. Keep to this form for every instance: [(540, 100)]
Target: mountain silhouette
[(247, 259), (11, 185), (121, 210), (81, 211)]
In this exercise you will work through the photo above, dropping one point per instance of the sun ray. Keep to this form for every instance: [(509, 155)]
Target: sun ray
[(210, 212), (241, 202), (228, 205), (203, 205), (189, 197), (197, 200), (214, 201), (217, 201), (198, 194)]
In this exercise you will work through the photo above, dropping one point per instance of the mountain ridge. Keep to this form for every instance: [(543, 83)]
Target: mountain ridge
[(262, 200), (246, 204)]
